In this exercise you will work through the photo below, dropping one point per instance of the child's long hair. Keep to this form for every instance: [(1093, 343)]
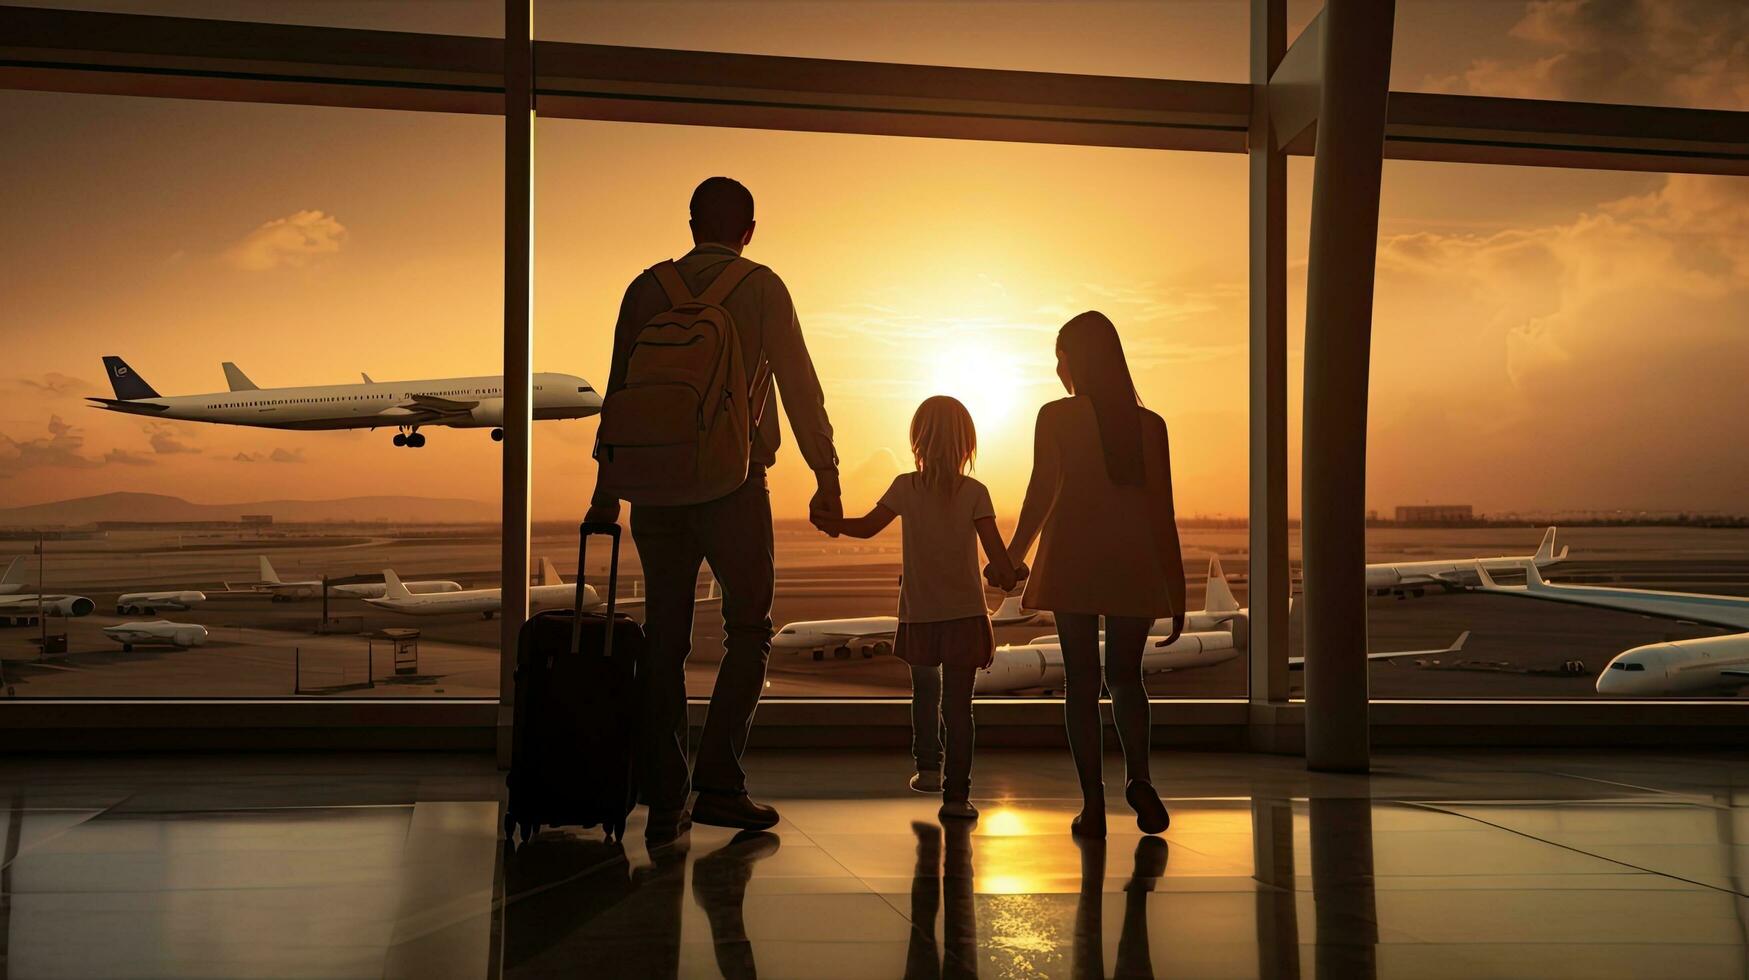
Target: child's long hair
[(944, 443)]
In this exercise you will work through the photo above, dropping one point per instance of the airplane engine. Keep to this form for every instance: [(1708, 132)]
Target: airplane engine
[(192, 636), (69, 606)]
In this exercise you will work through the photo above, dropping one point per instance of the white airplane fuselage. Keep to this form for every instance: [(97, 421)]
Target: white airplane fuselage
[(1039, 665), (291, 591), (146, 602), (1706, 665), (160, 633), (486, 602), (52, 605)]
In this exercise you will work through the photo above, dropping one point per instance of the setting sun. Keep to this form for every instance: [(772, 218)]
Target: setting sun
[(985, 378)]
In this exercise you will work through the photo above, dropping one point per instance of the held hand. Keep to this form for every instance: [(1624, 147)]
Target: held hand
[(1000, 579), (1177, 629), (826, 508)]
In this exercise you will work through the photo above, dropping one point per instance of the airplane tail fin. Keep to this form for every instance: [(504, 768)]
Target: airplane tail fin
[(127, 384), (393, 588), (1545, 552), (15, 572), (238, 381), (366, 378), (1218, 597), (549, 574), (267, 573), (713, 591)]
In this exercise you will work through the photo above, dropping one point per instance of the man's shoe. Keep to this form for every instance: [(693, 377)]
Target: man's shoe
[(736, 811), (926, 781), (662, 831), (958, 810)]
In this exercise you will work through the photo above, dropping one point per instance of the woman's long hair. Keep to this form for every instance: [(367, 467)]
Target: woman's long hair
[(1097, 370), (944, 443)]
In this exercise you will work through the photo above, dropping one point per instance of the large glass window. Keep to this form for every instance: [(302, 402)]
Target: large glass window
[(195, 293), (1204, 40), (1686, 53), (917, 267), (1560, 349)]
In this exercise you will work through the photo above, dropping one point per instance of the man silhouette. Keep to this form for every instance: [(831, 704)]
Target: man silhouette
[(732, 533)]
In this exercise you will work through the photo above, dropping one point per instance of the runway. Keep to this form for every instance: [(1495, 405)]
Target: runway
[(260, 648)]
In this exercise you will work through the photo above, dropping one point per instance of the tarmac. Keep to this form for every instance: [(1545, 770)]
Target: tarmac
[(260, 648)]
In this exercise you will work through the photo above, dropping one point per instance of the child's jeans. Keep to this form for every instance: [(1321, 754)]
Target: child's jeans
[(941, 699)]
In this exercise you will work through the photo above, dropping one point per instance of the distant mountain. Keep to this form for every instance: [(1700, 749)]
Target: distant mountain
[(159, 507)]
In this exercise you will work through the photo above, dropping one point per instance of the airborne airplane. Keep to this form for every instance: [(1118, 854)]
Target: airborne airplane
[(460, 403)]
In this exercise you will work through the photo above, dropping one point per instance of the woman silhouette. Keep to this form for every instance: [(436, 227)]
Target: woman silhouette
[(1101, 494)]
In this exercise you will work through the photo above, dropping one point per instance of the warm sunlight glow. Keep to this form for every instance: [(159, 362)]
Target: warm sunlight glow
[(1002, 822), (984, 377)]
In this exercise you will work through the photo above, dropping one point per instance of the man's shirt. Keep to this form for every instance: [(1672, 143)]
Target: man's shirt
[(765, 320)]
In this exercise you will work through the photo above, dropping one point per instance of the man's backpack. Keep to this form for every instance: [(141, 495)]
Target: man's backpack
[(680, 428)]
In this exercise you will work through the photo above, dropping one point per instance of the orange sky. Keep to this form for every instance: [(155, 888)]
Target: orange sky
[(1543, 339)]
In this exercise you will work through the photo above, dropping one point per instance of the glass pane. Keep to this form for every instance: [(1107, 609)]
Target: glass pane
[(480, 18), (304, 246), (1687, 53), (1204, 40), (1560, 348), (917, 267)]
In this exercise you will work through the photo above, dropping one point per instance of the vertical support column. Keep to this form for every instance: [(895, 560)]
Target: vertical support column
[(1270, 580), (518, 345), (1345, 216)]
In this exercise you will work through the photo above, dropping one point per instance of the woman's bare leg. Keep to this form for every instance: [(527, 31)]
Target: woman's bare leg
[(1125, 639), (1079, 635)]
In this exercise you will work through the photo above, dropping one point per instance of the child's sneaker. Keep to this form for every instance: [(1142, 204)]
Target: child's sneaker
[(927, 781), (958, 810)]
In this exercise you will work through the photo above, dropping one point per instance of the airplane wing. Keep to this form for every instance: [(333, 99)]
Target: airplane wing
[(440, 406), (1457, 645), (1734, 672)]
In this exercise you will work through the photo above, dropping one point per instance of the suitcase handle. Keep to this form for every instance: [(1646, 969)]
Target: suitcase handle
[(584, 532)]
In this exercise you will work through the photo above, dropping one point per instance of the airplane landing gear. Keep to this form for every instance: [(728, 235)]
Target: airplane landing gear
[(412, 439), (497, 435), (400, 438)]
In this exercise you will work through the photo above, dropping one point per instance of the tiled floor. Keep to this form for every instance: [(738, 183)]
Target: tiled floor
[(1439, 865)]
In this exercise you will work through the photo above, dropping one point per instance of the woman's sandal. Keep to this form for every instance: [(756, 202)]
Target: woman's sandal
[(1151, 813)]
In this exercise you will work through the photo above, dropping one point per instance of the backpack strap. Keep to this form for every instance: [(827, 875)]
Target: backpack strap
[(668, 276), (726, 281)]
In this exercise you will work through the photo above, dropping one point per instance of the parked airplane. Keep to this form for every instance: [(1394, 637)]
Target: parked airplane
[(150, 602), (16, 606), (1406, 578), (407, 406), (553, 592), (160, 633), (1038, 665), (873, 635), (1703, 665), (283, 591), (15, 578)]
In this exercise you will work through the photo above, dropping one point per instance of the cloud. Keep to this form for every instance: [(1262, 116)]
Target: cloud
[(1657, 52), (1612, 343), (126, 458), (871, 477), (63, 448), (55, 384), (277, 456), (166, 440), (289, 242)]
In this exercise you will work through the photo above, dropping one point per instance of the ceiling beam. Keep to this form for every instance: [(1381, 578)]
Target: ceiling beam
[(172, 57)]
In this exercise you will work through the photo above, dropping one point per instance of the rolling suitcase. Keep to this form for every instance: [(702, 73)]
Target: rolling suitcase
[(573, 744)]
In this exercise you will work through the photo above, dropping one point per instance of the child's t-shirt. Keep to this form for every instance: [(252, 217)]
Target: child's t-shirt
[(943, 579)]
